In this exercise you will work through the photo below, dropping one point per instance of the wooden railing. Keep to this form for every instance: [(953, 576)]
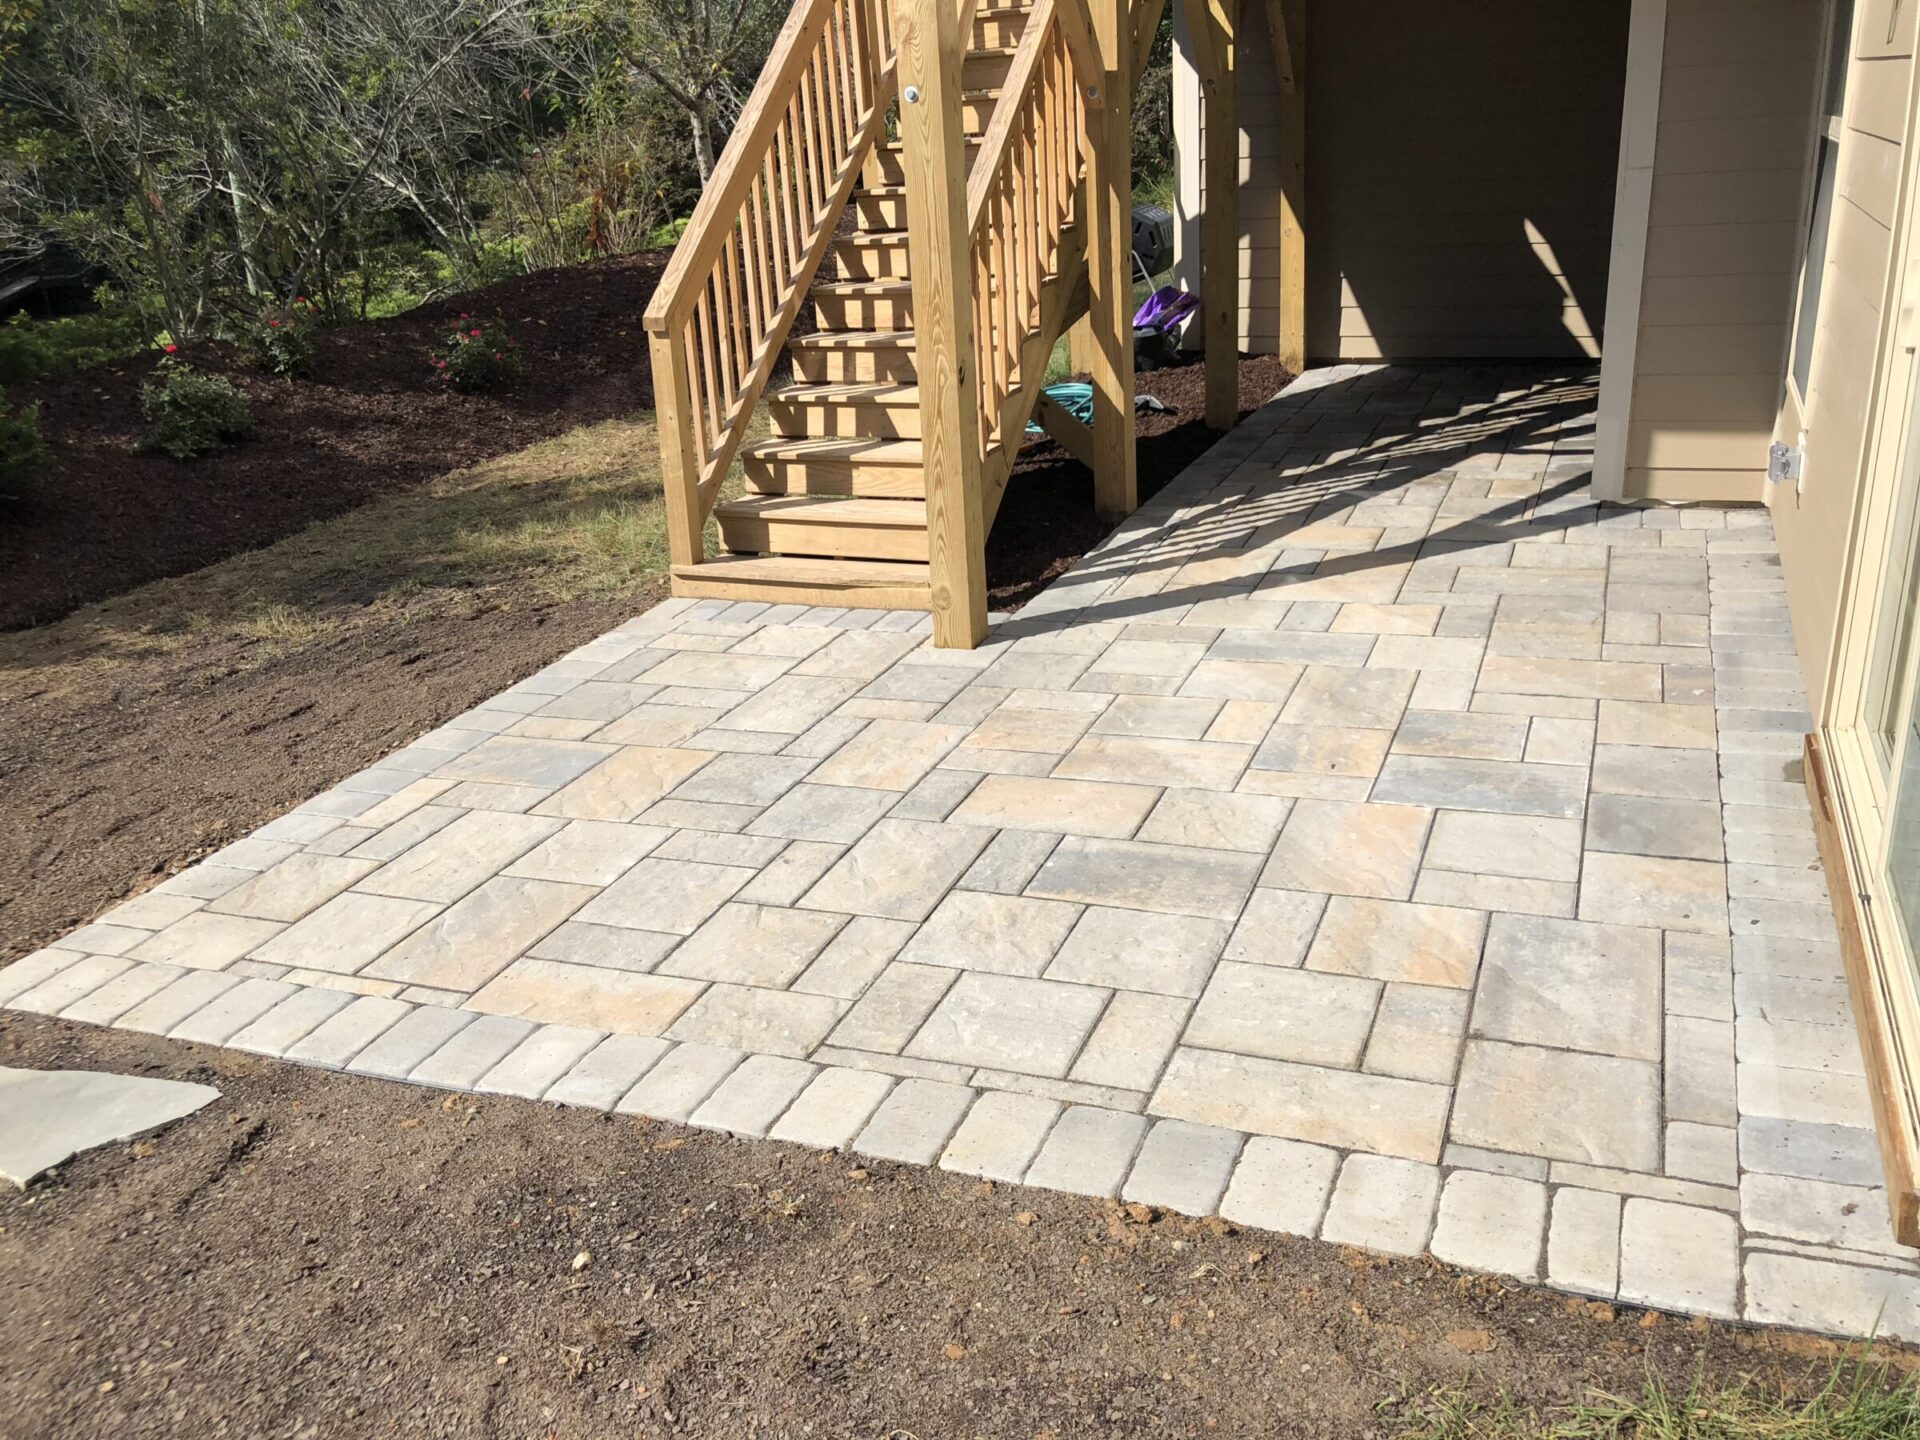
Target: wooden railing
[(1021, 197), (764, 224)]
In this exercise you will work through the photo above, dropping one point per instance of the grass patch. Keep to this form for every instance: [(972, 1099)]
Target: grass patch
[(581, 516), (1861, 1401)]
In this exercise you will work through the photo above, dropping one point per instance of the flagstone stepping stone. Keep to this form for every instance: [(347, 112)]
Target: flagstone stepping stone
[(47, 1116)]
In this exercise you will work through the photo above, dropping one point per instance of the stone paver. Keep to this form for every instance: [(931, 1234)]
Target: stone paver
[(1183, 1167), (1382, 1204), (1431, 826)]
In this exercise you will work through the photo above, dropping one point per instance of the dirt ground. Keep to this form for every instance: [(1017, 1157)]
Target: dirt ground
[(323, 1255)]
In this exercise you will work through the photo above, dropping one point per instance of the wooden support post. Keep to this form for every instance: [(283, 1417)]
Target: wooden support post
[(1213, 24), (678, 476), (1116, 491), (1080, 345), (1293, 185), (931, 48)]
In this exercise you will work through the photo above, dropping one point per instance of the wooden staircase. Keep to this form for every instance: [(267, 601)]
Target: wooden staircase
[(848, 501)]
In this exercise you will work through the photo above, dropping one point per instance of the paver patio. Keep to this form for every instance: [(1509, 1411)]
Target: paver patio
[(1374, 839)]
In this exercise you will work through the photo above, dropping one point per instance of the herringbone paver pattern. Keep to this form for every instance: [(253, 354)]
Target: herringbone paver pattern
[(1374, 839)]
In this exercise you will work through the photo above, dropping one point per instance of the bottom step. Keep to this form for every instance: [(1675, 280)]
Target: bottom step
[(799, 580)]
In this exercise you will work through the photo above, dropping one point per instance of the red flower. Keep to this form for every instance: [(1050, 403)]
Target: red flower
[(474, 333), (274, 323), (173, 349), (496, 354)]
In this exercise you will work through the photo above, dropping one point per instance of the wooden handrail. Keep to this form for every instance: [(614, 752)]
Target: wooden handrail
[(721, 315), (1022, 196)]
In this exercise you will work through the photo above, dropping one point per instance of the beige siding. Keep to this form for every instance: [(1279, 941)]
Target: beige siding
[(1460, 174), (1724, 228), (1813, 525)]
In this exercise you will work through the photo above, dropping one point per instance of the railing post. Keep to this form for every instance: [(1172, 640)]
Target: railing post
[(1110, 264), (679, 470), (931, 48)]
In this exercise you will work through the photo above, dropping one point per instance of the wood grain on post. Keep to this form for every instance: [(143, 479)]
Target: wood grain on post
[(1109, 195), (931, 48)]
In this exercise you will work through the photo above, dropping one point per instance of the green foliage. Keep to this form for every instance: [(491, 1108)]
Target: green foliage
[(31, 349), (477, 356), (281, 341), (189, 414), (20, 446)]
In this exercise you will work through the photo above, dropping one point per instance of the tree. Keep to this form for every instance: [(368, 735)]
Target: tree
[(703, 54)]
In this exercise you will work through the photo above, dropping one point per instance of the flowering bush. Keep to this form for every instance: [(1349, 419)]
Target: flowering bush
[(281, 341), (476, 356), (20, 447), (188, 413)]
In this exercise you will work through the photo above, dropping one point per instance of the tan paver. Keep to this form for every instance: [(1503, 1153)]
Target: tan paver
[(1413, 815)]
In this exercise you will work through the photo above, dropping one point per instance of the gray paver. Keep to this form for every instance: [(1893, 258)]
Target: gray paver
[(165, 1009), (598, 1079), (1089, 1152), (221, 1018), (1000, 1136), (1380, 1203), (297, 1016), (749, 1100), (833, 1108), (685, 1076), (541, 1058), (914, 1121), (336, 1040), (1679, 1257), (1491, 1222), (471, 1053), (1583, 1242), (1183, 1167), (1280, 1185), (411, 1039)]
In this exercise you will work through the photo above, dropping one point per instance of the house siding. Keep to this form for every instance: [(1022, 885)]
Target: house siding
[(1813, 522), (1724, 228)]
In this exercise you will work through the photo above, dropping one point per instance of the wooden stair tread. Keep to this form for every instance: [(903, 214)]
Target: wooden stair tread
[(868, 451), (828, 510), (868, 289), (811, 570), (853, 340), (848, 392)]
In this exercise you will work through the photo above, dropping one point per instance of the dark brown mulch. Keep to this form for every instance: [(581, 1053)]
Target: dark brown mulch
[(1046, 521), (100, 520), (332, 1256)]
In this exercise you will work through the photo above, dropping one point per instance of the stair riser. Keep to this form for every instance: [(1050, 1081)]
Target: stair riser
[(820, 477), (888, 167), (880, 212), (864, 312), (849, 421), (853, 367), (760, 536), (872, 262), (998, 31)]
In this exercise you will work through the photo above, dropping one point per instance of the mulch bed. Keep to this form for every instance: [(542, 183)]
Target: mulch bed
[(101, 520)]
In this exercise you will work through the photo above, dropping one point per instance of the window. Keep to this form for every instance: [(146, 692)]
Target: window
[(1825, 176)]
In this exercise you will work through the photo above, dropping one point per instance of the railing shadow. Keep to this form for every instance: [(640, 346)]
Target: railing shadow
[(1365, 437)]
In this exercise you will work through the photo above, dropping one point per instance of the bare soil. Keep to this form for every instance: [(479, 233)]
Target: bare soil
[(323, 1255)]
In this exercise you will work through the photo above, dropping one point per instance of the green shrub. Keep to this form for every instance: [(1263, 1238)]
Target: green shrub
[(281, 341), (188, 413), (477, 356), (20, 446), (31, 349)]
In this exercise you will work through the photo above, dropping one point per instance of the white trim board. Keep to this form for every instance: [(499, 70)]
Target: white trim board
[(1627, 259)]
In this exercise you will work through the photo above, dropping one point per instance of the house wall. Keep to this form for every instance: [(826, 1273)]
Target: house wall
[(1723, 230), (1812, 521), (1460, 175)]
